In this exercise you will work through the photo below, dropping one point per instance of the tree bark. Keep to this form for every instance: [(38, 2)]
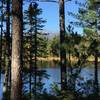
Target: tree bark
[(8, 48), (62, 41), (16, 71), (7, 82), (96, 76), (1, 39)]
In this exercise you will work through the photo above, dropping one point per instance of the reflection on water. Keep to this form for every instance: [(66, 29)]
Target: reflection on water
[(1, 86), (86, 73), (46, 64), (54, 77), (53, 70)]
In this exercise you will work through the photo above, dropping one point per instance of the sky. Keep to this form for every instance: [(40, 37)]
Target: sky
[(51, 15)]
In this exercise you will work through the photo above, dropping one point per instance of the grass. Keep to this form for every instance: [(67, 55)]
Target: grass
[(73, 59)]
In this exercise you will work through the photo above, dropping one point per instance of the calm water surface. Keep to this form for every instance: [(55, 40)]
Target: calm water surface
[(86, 73)]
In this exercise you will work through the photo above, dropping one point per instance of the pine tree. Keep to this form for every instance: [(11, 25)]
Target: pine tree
[(94, 7), (88, 18), (35, 44)]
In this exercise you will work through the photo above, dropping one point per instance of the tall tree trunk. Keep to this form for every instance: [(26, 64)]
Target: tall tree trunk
[(35, 65), (8, 47), (96, 65), (96, 76), (8, 53), (30, 78), (16, 71), (62, 41), (31, 67), (1, 39)]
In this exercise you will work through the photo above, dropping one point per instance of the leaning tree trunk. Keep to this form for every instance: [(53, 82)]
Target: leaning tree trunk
[(16, 71), (62, 41)]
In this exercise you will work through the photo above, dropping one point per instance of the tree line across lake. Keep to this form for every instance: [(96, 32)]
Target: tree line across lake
[(23, 43)]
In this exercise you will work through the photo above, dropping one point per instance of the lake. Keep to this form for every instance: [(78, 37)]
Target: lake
[(54, 72), (86, 73)]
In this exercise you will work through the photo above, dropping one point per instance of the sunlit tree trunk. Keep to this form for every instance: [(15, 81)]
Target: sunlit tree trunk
[(16, 71), (62, 41)]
